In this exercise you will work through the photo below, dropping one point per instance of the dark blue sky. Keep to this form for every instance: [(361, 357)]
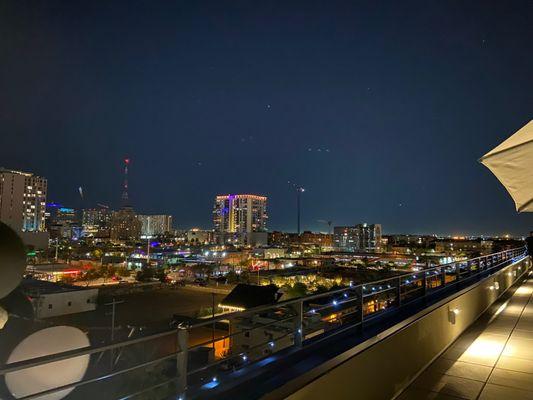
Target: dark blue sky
[(400, 97)]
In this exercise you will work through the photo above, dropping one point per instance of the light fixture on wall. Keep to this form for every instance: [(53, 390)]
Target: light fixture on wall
[(452, 315)]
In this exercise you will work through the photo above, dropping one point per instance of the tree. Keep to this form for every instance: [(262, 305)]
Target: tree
[(245, 277), (232, 277), (107, 271), (299, 289), (201, 270), (90, 275), (321, 289), (123, 272), (388, 267), (160, 274), (145, 274)]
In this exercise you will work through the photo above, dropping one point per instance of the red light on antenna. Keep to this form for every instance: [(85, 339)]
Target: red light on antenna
[(127, 160)]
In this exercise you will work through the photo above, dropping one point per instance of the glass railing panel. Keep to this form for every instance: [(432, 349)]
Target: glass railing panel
[(380, 296), (330, 312)]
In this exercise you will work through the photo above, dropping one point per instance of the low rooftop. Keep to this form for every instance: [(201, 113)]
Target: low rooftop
[(245, 296), (34, 286)]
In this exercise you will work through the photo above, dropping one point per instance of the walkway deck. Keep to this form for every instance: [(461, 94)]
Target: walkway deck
[(492, 360)]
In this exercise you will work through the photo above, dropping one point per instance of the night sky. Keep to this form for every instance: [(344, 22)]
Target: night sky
[(379, 109)]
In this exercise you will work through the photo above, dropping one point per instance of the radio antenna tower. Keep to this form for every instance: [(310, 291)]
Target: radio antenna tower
[(125, 197)]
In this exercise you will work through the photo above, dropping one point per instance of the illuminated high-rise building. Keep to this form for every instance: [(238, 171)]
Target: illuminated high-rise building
[(63, 223), (361, 237), (96, 222), (22, 200), (240, 217), (125, 225), (240, 213), (155, 224)]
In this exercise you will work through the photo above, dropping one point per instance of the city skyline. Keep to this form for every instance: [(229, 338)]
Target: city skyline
[(318, 228), (382, 119)]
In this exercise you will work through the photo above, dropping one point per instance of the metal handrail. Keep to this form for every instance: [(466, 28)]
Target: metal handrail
[(84, 351), (99, 378), (11, 367), (259, 309)]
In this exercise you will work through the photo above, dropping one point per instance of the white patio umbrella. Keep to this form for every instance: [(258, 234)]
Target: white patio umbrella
[(512, 163)]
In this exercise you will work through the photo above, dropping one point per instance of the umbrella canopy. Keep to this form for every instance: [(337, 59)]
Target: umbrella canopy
[(512, 163)]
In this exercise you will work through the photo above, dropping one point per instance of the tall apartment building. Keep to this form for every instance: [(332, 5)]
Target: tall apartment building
[(361, 237), (125, 225), (240, 218), (152, 225), (96, 222), (22, 201), (64, 223)]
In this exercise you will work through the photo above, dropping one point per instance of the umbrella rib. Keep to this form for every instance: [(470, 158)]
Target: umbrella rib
[(502, 150), (523, 206)]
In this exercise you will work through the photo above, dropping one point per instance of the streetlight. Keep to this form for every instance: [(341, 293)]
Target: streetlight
[(299, 190)]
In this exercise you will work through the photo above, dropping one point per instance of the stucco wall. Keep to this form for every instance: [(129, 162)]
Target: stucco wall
[(54, 304)]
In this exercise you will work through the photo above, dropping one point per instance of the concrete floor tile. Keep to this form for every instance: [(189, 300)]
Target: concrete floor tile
[(520, 334), (421, 394), (461, 369), (449, 385), (496, 392), (518, 380), (525, 324), (501, 338), (519, 348), (515, 364)]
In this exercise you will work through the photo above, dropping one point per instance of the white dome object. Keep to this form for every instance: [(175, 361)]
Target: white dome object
[(54, 374), (12, 260), (4, 316)]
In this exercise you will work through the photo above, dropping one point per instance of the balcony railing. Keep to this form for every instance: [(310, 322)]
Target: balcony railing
[(193, 359)]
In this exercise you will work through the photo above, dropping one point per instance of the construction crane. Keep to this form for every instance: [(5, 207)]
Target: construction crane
[(323, 221)]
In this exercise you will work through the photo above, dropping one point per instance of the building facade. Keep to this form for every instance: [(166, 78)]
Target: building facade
[(22, 201), (199, 237), (63, 223), (153, 225), (54, 299), (96, 222), (361, 237), (469, 247), (125, 225), (238, 218)]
